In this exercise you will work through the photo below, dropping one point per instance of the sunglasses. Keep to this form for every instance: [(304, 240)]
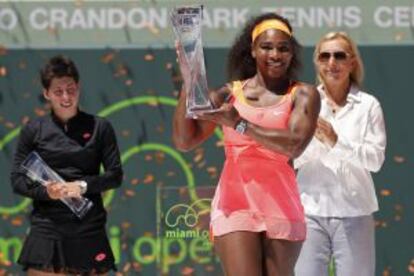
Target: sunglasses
[(338, 56)]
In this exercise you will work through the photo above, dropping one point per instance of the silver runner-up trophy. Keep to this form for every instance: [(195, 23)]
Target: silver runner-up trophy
[(37, 170), (186, 21)]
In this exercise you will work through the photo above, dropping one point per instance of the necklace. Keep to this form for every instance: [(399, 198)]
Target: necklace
[(333, 106)]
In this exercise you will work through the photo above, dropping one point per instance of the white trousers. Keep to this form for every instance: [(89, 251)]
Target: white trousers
[(350, 241)]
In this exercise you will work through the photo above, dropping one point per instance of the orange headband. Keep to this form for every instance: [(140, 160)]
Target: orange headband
[(270, 24)]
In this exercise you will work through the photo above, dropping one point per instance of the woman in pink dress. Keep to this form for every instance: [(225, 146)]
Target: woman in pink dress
[(268, 118)]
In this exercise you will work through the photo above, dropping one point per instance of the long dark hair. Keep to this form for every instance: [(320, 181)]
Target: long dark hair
[(241, 65)]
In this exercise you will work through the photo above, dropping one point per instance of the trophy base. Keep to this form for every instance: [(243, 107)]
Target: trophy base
[(79, 207), (194, 111)]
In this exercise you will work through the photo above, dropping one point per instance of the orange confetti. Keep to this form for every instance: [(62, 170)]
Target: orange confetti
[(3, 50), (9, 125), (399, 36), (220, 143), (199, 155), (121, 70), (168, 66), (126, 267), (398, 207), (3, 71), (128, 82), (125, 133), (148, 157), (411, 266), (399, 159), (171, 173), (25, 119), (39, 112), (159, 157), (385, 192), (134, 181), (126, 225), (387, 271), (129, 192), (148, 234), (22, 65), (212, 171), (79, 3), (52, 31), (149, 57), (210, 268), (187, 270), (136, 266), (183, 191), (175, 93), (153, 29), (201, 164), (148, 178), (17, 221), (107, 58)]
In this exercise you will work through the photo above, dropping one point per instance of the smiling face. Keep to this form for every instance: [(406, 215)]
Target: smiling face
[(334, 62), (63, 95), (273, 53)]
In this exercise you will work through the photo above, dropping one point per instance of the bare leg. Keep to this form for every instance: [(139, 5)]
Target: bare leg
[(280, 256), (240, 253)]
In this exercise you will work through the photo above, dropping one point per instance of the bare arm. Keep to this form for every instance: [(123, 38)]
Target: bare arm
[(302, 123), (187, 132)]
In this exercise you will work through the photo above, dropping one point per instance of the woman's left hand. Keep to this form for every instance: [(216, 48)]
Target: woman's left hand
[(325, 133), (225, 115)]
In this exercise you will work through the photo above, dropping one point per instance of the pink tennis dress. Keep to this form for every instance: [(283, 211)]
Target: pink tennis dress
[(257, 189)]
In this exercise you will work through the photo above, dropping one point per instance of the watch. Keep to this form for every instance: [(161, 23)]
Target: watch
[(83, 185), (241, 126)]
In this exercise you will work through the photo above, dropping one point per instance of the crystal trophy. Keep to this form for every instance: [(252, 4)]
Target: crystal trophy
[(186, 22), (37, 170)]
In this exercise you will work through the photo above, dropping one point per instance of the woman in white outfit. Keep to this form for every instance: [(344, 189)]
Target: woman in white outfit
[(334, 172)]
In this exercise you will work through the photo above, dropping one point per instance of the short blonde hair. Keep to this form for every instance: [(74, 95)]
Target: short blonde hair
[(357, 74)]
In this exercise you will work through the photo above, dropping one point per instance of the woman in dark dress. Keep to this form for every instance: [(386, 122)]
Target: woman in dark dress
[(75, 145)]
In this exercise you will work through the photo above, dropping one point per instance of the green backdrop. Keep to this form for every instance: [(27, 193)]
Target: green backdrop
[(136, 91)]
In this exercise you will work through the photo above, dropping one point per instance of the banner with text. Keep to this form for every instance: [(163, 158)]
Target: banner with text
[(100, 24)]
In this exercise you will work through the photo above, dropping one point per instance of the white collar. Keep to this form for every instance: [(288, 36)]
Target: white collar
[(353, 95)]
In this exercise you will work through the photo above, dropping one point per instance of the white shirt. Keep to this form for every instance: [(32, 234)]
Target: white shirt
[(336, 182)]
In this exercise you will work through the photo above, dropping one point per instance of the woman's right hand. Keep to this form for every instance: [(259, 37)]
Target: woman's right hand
[(56, 190)]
